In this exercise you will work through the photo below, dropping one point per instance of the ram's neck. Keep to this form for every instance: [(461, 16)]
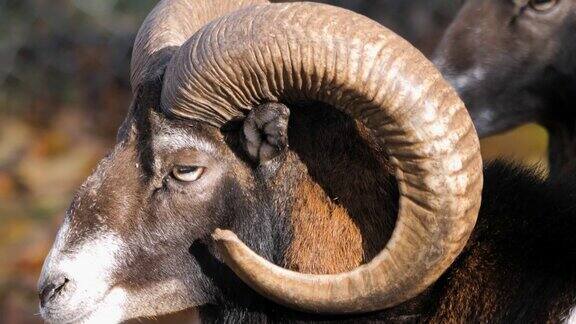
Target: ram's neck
[(325, 238), (344, 197)]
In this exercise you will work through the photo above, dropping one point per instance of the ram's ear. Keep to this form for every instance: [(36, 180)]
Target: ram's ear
[(265, 132)]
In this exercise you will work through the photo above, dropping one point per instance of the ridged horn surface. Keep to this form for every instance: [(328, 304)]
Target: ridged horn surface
[(313, 52), (167, 27)]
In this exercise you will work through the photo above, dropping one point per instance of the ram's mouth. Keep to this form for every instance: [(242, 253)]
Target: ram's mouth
[(60, 315)]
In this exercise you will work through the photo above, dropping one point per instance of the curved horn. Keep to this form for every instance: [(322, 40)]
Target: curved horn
[(168, 26), (304, 51)]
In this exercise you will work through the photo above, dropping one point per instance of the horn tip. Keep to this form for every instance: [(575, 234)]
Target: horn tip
[(221, 235)]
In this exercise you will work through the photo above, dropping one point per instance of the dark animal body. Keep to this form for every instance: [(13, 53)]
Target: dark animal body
[(514, 62), (311, 189)]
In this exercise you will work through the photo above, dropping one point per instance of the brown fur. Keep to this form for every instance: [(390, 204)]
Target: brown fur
[(332, 215), (324, 231), (465, 295)]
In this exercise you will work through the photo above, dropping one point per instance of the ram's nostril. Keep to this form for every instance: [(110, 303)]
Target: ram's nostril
[(52, 290)]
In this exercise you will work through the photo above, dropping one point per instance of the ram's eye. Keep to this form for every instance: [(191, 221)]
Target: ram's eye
[(543, 5), (187, 173)]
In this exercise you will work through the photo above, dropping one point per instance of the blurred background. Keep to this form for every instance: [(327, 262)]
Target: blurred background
[(64, 90)]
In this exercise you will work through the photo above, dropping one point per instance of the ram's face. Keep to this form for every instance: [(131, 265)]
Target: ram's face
[(123, 248), (502, 55), (167, 185)]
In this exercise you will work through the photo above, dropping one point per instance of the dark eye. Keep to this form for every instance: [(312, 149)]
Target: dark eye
[(543, 5), (187, 173)]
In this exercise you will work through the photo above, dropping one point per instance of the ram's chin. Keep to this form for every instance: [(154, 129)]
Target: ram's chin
[(112, 309), (120, 305), (154, 301)]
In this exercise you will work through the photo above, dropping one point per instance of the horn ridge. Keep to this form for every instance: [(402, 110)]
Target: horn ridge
[(338, 57)]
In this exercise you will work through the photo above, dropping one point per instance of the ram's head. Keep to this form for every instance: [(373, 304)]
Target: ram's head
[(204, 152), (512, 62)]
